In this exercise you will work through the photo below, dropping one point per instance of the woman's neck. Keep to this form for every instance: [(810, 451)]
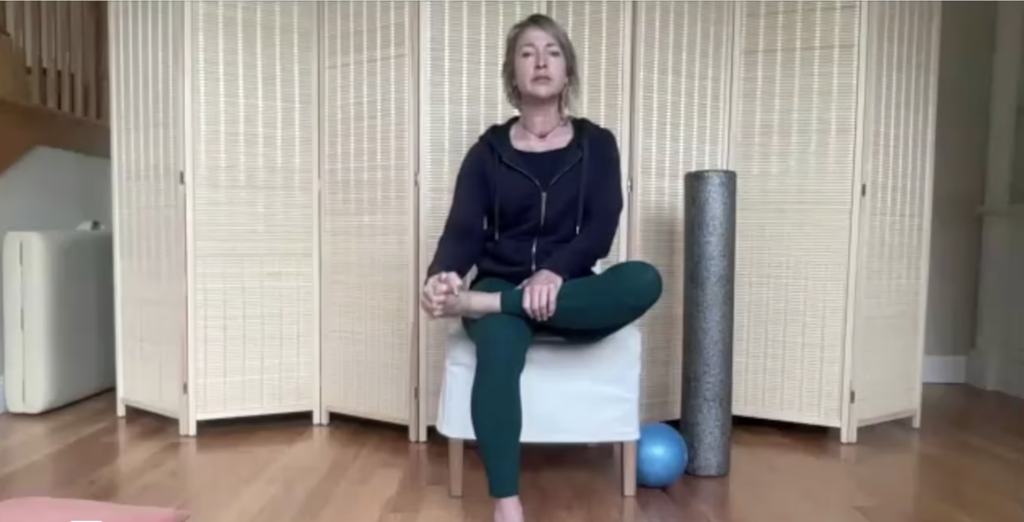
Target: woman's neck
[(540, 120)]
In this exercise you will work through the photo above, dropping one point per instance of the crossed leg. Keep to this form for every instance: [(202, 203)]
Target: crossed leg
[(586, 309)]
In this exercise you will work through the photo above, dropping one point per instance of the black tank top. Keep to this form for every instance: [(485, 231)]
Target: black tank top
[(544, 165)]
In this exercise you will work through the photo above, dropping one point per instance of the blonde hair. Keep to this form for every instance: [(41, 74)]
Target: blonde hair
[(508, 69)]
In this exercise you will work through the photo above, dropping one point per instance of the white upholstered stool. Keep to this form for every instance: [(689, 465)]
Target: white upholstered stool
[(574, 394)]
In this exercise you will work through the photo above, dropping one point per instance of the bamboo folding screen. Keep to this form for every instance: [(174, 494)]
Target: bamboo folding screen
[(283, 171), (891, 264), (680, 114), (368, 275), (794, 124), (148, 158)]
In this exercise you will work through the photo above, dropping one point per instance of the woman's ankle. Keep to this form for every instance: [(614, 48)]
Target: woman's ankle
[(511, 302), (508, 509)]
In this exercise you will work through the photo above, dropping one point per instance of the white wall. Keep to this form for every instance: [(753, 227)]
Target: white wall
[(962, 123), (52, 189)]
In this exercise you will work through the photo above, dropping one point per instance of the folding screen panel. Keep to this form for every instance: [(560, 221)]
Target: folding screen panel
[(252, 192), (461, 94), (601, 32), (794, 128), (368, 264), (681, 123), (149, 203), (892, 272), (282, 171)]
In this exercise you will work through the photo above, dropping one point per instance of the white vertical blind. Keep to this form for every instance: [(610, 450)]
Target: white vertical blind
[(793, 140), (254, 110), (681, 122), (601, 34), (368, 239), (461, 94), (896, 215), (149, 202)]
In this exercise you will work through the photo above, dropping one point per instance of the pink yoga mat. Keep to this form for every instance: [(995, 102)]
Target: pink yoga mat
[(42, 509)]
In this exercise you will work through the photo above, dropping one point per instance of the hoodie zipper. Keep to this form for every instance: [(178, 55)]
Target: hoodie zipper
[(543, 212), (543, 202)]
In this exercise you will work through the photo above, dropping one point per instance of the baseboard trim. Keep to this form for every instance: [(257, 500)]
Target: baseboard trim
[(945, 369)]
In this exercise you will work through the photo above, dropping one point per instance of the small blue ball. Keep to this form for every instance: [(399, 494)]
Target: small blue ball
[(661, 456)]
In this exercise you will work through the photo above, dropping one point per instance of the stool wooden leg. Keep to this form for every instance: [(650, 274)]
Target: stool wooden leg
[(629, 469), (456, 449)]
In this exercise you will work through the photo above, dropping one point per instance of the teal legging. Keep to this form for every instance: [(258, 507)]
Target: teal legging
[(586, 309)]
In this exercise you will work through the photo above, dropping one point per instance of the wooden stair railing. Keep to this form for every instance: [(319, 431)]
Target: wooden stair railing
[(63, 55), (53, 78)]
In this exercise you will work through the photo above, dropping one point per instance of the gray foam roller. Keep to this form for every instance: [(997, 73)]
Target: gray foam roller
[(710, 247)]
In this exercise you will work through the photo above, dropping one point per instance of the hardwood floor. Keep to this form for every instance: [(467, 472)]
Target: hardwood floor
[(966, 464)]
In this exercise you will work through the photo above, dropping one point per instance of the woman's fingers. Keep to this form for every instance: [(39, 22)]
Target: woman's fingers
[(528, 301), (539, 301), (452, 283), (535, 302), (427, 303), (542, 306), (552, 299), (434, 294)]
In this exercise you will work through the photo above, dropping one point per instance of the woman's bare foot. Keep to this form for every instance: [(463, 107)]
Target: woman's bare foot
[(471, 304), (508, 510)]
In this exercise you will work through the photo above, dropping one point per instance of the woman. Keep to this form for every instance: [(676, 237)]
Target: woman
[(536, 206)]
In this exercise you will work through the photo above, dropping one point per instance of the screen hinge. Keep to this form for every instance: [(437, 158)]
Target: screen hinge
[(863, 190), (853, 397)]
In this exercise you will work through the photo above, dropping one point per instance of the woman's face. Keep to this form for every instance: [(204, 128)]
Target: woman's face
[(540, 66)]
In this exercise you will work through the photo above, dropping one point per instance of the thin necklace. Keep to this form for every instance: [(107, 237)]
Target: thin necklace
[(544, 135)]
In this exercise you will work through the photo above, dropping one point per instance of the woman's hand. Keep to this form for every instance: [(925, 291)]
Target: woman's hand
[(540, 293), (437, 289)]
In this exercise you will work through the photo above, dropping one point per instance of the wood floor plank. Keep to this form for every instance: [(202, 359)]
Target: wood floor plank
[(966, 464)]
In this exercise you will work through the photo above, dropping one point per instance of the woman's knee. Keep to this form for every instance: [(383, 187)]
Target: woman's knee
[(645, 281)]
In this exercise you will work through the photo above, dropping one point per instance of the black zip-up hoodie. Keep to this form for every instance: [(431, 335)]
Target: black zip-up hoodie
[(508, 224)]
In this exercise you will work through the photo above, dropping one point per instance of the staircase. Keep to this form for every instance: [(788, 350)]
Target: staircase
[(53, 79)]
